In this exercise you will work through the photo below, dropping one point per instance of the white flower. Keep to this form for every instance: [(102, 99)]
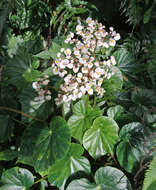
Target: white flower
[(112, 42), (90, 91), (80, 94), (97, 73), (75, 69), (55, 71), (79, 29), (35, 85), (90, 22), (100, 82), (89, 85), (117, 36), (108, 75), (108, 62), (70, 65), (67, 52), (111, 29), (83, 89), (58, 54), (45, 82), (62, 65), (113, 60), (76, 52), (90, 65), (65, 98), (105, 45), (62, 49), (48, 97), (84, 70)]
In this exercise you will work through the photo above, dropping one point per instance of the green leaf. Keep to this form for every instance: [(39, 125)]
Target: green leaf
[(114, 84), (101, 137), (82, 119), (52, 52), (13, 45), (105, 178), (17, 179), (130, 150), (46, 146), (5, 127), (7, 155), (147, 15), (31, 74), (71, 163), (115, 112), (150, 177), (142, 96), (16, 67), (41, 109), (125, 60), (82, 184)]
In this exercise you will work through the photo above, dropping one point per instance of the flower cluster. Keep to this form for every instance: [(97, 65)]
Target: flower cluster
[(83, 73), (40, 87)]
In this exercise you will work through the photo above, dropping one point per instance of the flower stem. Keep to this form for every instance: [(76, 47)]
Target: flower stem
[(87, 101)]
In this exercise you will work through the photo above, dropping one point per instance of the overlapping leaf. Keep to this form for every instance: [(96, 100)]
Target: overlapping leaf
[(130, 150), (82, 119), (105, 178), (101, 137), (41, 109), (71, 163), (42, 146), (16, 179)]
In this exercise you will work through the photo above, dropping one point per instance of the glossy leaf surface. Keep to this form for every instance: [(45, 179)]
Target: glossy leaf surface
[(47, 145), (101, 137), (17, 179), (82, 119), (71, 163)]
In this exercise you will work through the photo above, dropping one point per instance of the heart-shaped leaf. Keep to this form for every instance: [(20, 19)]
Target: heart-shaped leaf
[(101, 137), (8, 155), (125, 60), (16, 67), (130, 150), (82, 119), (115, 112), (71, 163), (105, 178), (42, 146), (16, 179), (41, 109)]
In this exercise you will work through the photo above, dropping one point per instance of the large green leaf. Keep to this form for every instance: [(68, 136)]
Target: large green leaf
[(101, 137), (5, 127), (42, 146), (106, 178), (17, 179), (142, 96), (150, 177), (115, 112), (130, 150), (125, 60), (82, 119), (7, 155), (71, 163), (52, 52), (16, 67), (41, 109), (113, 84), (82, 184)]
